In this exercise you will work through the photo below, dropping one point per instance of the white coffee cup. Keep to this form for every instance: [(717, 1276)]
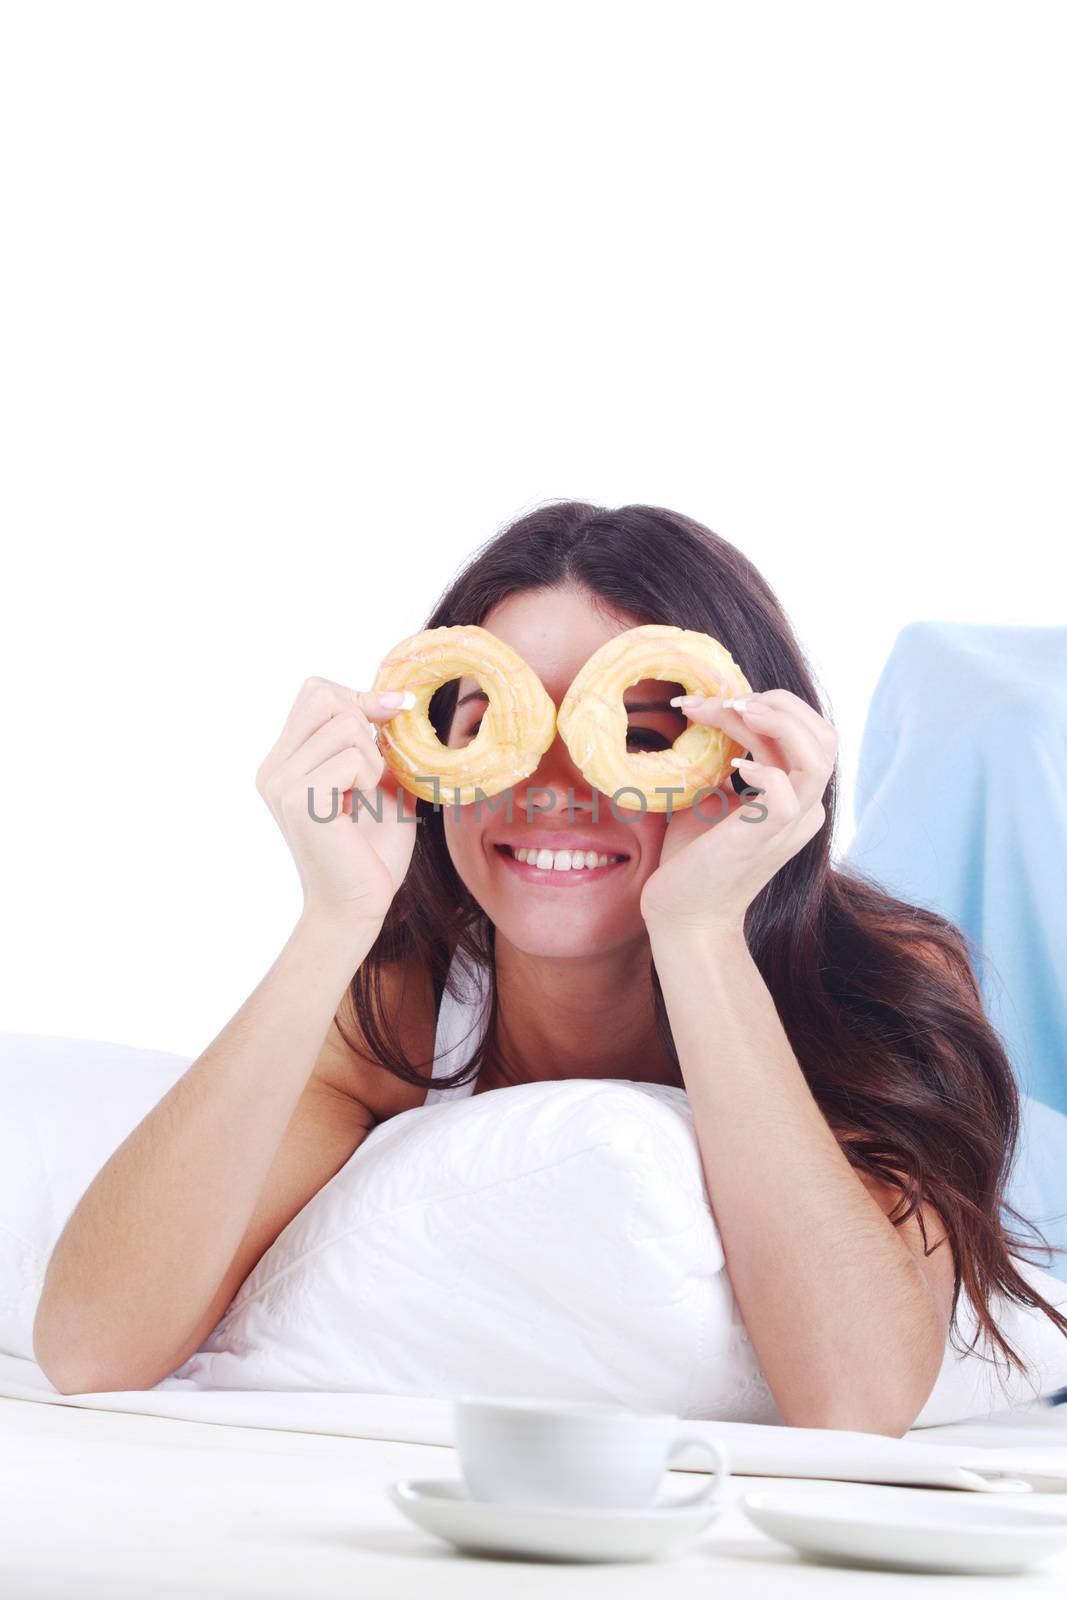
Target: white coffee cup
[(573, 1454)]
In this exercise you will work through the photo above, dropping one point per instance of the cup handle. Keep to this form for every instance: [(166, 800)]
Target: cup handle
[(706, 1496)]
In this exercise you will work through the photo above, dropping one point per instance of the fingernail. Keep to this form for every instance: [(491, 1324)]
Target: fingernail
[(398, 699), (741, 704), (688, 699), (741, 761)]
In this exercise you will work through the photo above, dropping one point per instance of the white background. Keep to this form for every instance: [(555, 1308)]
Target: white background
[(301, 302)]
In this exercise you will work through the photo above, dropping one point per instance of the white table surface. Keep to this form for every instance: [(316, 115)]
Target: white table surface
[(107, 1505)]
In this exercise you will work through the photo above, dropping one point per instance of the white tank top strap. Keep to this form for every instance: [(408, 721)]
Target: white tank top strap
[(461, 1026)]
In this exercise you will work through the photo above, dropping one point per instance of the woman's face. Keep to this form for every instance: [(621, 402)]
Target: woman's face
[(561, 912)]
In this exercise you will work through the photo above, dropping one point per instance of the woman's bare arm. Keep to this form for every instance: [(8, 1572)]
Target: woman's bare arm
[(846, 1312), (180, 1213), (176, 1219)]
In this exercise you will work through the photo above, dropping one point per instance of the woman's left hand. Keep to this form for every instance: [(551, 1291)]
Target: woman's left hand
[(711, 870)]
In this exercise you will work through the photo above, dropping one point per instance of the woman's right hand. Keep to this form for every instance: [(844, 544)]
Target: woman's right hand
[(351, 866)]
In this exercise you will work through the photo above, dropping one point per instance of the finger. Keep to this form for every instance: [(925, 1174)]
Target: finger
[(345, 771), (399, 799), (318, 700), (785, 700), (383, 798), (397, 802), (777, 791), (373, 703), (787, 815), (799, 752), (708, 710), (344, 729), (776, 736)]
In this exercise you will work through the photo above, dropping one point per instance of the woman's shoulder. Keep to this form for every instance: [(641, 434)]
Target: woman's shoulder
[(410, 1005)]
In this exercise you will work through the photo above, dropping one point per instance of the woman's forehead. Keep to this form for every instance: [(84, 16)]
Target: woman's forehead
[(555, 631)]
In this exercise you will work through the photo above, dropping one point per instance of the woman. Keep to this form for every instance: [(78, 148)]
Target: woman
[(855, 1112)]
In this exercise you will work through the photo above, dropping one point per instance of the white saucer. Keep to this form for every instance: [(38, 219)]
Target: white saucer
[(444, 1506), (909, 1530)]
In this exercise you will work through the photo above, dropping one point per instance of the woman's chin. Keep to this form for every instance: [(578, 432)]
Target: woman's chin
[(568, 931)]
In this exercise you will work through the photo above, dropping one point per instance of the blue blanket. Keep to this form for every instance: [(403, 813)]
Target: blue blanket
[(961, 806)]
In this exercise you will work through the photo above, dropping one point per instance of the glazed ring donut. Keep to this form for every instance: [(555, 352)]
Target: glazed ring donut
[(516, 729), (592, 719)]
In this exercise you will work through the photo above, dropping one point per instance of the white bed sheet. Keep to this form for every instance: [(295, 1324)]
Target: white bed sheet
[(938, 1457), (129, 1495)]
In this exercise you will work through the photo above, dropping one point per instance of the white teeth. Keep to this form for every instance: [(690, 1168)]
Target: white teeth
[(564, 860)]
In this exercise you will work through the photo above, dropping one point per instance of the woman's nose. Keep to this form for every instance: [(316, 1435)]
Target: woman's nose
[(557, 774)]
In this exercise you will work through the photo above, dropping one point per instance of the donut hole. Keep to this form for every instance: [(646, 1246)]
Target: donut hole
[(652, 723), (471, 704)]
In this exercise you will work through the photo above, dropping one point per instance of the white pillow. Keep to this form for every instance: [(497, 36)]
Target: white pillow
[(547, 1239)]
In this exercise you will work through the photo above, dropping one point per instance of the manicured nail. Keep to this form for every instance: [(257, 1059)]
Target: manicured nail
[(688, 699), (397, 699), (738, 705), (741, 761)]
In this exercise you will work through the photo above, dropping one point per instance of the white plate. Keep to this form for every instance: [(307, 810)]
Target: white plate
[(909, 1530), (443, 1506)]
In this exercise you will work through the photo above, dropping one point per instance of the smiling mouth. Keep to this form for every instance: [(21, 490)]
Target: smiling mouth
[(561, 867)]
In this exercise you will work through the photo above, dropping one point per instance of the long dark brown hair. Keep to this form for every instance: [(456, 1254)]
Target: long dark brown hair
[(878, 998)]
